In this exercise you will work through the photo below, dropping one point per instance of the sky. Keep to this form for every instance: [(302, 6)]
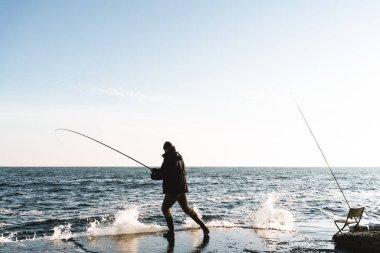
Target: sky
[(216, 78)]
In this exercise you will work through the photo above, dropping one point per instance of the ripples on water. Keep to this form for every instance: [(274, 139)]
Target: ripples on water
[(59, 203)]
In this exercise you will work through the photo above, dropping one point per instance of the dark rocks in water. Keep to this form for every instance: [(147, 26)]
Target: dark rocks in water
[(368, 241)]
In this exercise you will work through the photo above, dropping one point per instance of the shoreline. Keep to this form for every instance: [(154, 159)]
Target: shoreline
[(233, 239)]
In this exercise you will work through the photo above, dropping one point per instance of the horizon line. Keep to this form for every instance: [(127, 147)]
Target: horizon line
[(196, 166)]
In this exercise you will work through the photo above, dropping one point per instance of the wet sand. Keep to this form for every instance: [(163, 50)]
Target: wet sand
[(220, 240)]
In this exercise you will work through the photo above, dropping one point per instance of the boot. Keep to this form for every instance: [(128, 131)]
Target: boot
[(170, 234), (195, 217)]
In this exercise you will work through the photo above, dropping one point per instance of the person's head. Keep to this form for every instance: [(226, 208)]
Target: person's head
[(168, 146)]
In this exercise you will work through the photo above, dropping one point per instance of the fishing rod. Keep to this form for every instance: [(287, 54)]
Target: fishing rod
[(320, 149), (68, 130)]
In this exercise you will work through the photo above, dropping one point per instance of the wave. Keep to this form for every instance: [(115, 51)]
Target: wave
[(3, 224), (30, 213), (5, 211), (8, 238), (127, 221), (61, 232)]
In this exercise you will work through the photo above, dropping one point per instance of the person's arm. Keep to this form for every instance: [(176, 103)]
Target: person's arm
[(158, 173)]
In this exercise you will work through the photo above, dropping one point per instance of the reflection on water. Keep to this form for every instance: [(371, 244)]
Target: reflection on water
[(199, 242), (202, 245), (188, 241), (277, 239), (171, 244)]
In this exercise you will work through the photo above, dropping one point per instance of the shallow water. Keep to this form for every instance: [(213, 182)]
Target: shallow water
[(290, 207)]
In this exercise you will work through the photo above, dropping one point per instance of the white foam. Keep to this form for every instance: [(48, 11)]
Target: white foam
[(189, 223), (30, 213), (270, 217), (126, 222), (10, 238), (220, 223), (61, 232), (3, 225), (5, 211)]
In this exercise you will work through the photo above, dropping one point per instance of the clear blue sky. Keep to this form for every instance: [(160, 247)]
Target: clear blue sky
[(213, 77)]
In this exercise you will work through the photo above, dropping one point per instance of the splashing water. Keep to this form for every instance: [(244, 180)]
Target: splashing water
[(126, 222), (218, 192), (189, 223), (62, 232), (270, 217), (10, 238)]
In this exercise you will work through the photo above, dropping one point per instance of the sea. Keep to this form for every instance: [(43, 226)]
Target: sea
[(289, 208)]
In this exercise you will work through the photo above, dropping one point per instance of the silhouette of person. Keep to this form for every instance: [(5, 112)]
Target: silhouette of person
[(174, 187)]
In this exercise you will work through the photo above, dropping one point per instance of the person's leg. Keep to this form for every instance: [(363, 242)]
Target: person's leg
[(168, 202), (182, 200)]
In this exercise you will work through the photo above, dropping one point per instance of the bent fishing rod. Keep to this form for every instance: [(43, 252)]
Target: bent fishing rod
[(320, 149), (88, 137)]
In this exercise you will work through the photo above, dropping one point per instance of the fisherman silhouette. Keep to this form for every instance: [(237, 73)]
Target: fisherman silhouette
[(174, 187)]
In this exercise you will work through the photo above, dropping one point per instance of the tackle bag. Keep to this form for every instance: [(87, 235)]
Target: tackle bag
[(156, 174)]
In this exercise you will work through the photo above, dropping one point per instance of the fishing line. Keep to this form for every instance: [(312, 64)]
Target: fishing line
[(68, 130), (320, 149)]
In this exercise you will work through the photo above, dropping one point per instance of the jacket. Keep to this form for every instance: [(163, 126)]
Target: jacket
[(173, 173)]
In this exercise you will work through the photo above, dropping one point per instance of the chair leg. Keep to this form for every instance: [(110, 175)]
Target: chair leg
[(340, 230), (337, 228)]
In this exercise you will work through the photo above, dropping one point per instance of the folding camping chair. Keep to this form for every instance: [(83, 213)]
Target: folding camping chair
[(352, 221)]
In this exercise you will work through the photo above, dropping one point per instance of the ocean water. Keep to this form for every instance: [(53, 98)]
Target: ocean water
[(287, 207)]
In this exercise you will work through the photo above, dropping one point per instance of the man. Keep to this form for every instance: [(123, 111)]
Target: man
[(175, 188)]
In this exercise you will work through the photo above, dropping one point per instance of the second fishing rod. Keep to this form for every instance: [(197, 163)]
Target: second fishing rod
[(320, 149)]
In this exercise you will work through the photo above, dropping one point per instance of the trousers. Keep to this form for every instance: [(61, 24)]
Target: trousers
[(170, 200)]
